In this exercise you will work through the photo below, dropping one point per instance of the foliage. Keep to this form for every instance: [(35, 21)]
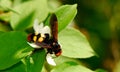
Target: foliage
[(99, 20), (16, 21)]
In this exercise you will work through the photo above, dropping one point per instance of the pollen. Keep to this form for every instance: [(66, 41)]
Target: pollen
[(34, 38), (40, 39)]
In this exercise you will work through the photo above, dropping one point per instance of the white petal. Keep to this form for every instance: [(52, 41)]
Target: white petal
[(36, 25), (46, 30), (33, 45), (41, 25), (50, 59), (40, 28)]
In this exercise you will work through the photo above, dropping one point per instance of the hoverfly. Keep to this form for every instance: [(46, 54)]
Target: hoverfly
[(44, 38)]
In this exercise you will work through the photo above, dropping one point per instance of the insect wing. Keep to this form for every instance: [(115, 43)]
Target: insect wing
[(42, 44), (54, 27), (38, 45)]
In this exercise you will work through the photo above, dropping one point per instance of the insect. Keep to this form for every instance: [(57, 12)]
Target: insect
[(44, 38)]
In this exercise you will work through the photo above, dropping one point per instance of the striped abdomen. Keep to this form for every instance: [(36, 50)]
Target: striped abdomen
[(38, 37)]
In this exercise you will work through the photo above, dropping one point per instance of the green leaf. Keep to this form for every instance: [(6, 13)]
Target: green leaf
[(36, 61), (27, 13), (74, 44), (5, 4), (19, 67), (62, 59), (101, 70), (4, 28), (65, 15), (1, 32), (70, 67), (5, 16), (13, 47)]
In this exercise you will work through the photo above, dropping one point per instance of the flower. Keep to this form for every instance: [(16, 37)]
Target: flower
[(40, 28), (50, 59)]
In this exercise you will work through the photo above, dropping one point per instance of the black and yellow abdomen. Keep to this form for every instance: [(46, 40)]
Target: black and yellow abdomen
[(37, 37)]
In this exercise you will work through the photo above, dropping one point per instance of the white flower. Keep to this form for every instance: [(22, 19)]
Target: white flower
[(50, 59), (40, 28)]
